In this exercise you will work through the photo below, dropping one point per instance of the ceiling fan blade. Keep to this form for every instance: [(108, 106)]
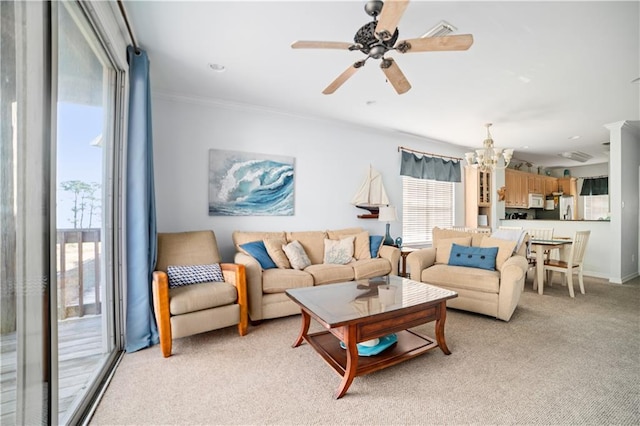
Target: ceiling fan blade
[(427, 44), (335, 84), (304, 44), (392, 11), (395, 76)]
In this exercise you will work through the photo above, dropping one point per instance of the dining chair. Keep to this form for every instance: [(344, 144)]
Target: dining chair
[(538, 234), (572, 264)]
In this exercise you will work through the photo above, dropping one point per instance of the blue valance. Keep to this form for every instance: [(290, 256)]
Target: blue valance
[(595, 186), (432, 168)]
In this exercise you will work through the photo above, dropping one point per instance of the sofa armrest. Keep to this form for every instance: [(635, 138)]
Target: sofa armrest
[(512, 277), (392, 254), (253, 274), (160, 291), (419, 260), (235, 274)]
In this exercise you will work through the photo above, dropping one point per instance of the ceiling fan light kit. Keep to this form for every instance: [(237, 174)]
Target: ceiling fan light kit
[(376, 38)]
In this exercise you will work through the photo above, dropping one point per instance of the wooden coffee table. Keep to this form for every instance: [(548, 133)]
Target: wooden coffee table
[(357, 311)]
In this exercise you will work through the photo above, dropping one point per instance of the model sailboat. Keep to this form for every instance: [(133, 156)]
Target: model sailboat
[(371, 195)]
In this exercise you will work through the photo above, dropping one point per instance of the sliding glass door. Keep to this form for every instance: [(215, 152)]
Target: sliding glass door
[(60, 99), (85, 118)]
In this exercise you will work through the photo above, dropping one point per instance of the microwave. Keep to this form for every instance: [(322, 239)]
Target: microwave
[(536, 201)]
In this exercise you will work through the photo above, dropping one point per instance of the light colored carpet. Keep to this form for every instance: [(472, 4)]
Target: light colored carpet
[(558, 361)]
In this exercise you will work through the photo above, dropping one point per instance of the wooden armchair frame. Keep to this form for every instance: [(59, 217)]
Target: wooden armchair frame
[(233, 274)]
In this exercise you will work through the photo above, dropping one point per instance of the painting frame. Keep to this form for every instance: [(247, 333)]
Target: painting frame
[(250, 184)]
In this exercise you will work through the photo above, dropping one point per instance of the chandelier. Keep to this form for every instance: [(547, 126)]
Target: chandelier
[(488, 158)]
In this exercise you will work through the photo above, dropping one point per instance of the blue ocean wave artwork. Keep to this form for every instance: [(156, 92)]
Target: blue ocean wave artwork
[(248, 184)]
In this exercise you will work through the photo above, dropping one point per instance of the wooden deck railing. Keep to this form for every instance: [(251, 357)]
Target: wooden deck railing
[(78, 278)]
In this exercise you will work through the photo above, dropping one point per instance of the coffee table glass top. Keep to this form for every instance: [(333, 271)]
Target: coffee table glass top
[(336, 303)]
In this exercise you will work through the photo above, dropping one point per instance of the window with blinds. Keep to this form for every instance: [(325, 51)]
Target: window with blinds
[(596, 207), (425, 204)]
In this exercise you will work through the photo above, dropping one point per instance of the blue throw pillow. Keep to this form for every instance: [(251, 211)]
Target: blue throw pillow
[(473, 257), (259, 252), (375, 242)]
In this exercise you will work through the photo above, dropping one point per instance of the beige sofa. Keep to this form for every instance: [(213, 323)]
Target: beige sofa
[(495, 293), (266, 288)]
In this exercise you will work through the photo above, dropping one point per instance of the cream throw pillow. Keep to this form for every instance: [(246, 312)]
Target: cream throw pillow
[(297, 256), (274, 248), (361, 249), (338, 252), (505, 249), (443, 247)]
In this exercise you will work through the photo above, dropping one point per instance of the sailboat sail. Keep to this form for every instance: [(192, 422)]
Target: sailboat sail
[(371, 193)]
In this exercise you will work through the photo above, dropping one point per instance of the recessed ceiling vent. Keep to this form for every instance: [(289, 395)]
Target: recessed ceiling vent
[(442, 29), (576, 156)]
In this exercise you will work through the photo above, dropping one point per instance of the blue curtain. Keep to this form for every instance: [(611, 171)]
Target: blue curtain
[(595, 186), (141, 234), (432, 168)]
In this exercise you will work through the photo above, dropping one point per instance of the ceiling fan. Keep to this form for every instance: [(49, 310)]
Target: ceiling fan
[(378, 37)]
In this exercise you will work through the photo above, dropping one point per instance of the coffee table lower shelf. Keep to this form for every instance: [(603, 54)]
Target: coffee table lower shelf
[(409, 345)]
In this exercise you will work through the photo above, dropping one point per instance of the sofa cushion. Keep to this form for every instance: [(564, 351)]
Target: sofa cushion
[(338, 252), (279, 280), (297, 255), (361, 249), (367, 268), (375, 242), (313, 243), (443, 247), (258, 251), (474, 257), (180, 275), (462, 277), (328, 273), (197, 297), (505, 249), (274, 248), (242, 237)]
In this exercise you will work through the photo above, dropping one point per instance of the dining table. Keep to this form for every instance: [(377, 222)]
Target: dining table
[(541, 247)]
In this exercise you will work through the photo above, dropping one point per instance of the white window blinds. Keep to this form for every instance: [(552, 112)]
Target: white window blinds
[(425, 204)]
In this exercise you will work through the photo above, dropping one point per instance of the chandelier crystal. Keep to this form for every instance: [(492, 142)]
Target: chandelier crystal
[(488, 158)]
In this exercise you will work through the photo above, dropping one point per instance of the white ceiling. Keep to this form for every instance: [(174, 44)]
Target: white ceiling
[(541, 72)]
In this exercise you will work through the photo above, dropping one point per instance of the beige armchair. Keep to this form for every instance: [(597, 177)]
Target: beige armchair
[(489, 292), (196, 308)]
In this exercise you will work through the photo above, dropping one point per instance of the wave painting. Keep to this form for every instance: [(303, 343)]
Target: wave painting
[(248, 184)]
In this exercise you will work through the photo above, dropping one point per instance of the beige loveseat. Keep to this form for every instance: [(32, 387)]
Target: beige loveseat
[(495, 293), (266, 288)]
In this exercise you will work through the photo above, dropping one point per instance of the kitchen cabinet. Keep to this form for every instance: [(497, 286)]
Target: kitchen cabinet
[(477, 195), (517, 189), (568, 186), (535, 184), (550, 185)]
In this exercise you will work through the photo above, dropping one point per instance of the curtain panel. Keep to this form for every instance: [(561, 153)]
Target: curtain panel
[(141, 234), (595, 186), (432, 168)]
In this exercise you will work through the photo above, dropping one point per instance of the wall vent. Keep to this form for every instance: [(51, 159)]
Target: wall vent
[(442, 29), (576, 156)]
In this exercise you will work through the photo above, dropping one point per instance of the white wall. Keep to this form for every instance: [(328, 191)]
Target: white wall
[(331, 160), (623, 193)]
